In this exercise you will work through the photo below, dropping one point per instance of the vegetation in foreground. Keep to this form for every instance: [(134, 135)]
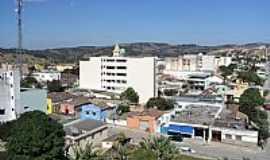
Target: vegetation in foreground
[(34, 136)]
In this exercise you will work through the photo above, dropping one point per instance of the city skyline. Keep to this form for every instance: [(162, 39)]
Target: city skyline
[(66, 23)]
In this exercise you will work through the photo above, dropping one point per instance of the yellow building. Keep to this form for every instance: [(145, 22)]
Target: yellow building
[(63, 67), (39, 67), (49, 106), (240, 88)]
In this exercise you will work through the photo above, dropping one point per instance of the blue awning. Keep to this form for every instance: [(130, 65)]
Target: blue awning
[(180, 129)]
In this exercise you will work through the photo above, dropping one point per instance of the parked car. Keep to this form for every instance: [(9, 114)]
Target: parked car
[(187, 149)]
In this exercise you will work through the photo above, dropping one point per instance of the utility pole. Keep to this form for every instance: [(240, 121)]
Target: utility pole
[(19, 33)]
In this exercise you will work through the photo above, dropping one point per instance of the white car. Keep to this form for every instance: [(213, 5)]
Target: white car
[(187, 149)]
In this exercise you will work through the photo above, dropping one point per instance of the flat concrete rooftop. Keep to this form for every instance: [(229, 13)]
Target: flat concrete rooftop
[(207, 99), (197, 114)]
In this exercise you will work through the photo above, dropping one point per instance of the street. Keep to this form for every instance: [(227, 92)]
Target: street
[(221, 150)]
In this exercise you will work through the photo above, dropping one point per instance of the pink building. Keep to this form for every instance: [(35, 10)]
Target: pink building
[(73, 105)]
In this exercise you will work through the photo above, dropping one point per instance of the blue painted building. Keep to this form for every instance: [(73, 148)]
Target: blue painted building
[(94, 112)]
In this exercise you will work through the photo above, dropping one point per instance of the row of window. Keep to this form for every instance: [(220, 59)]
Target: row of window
[(114, 67), (113, 88), (114, 81), (237, 137), (113, 74), (113, 60)]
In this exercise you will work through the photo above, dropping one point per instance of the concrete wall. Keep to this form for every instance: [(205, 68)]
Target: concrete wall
[(117, 122), (90, 74), (92, 137), (34, 99), (141, 76), (246, 135), (136, 121)]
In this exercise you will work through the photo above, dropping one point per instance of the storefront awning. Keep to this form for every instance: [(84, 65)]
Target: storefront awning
[(180, 129)]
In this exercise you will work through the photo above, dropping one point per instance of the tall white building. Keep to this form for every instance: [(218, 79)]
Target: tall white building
[(9, 94), (117, 73)]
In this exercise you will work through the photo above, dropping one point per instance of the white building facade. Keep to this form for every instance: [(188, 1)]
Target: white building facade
[(117, 73), (46, 76), (9, 94), (193, 63)]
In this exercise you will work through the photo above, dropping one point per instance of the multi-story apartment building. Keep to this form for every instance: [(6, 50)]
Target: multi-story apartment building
[(9, 94), (193, 63), (117, 73)]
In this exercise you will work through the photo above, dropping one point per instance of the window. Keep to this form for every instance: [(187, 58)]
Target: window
[(228, 136), (124, 81), (110, 67), (87, 112), (12, 97), (2, 111), (94, 113), (121, 74), (121, 60), (25, 107), (121, 67), (10, 73), (239, 138), (110, 60)]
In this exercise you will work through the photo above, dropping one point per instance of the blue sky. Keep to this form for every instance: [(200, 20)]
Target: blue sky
[(64, 23)]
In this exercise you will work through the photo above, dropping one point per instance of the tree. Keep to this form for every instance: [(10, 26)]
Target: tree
[(225, 71), (122, 108), (250, 99), (160, 147), (30, 82), (120, 147), (35, 136), (250, 77), (55, 86), (5, 129), (86, 153), (130, 94), (140, 154), (160, 103)]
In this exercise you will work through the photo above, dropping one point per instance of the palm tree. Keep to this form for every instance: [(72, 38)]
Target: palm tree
[(161, 147), (86, 153), (120, 147)]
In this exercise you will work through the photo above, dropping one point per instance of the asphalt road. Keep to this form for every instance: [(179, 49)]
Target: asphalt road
[(233, 152)]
